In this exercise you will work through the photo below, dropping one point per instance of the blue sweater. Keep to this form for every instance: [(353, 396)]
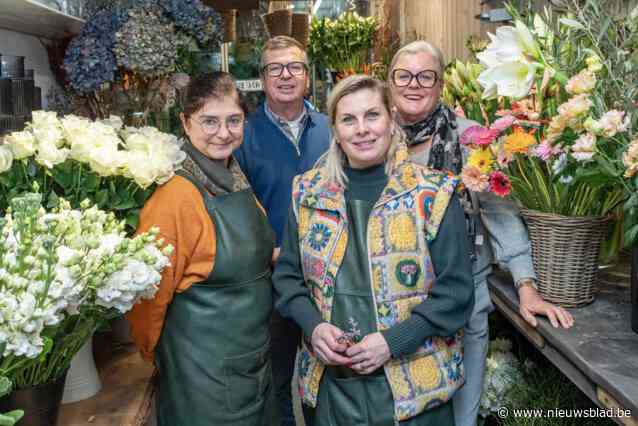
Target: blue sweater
[(270, 160)]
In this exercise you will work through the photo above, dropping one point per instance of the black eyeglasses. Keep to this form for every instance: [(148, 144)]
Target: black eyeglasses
[(425, 78), (275, 69)]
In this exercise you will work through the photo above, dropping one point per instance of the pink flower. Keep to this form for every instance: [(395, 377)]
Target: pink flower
[(612, 122), (500, 184), (583, 82), (474, 180), (503, 123), (478, 135), (544, 151), (459, 111)]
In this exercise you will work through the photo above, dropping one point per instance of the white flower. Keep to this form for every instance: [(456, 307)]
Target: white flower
[(22, 144), (583, 148), (49, 154), (612, 123), (511, 79), (6, 158)]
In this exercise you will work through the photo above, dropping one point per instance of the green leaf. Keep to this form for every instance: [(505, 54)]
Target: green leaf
[(5, 385), (48, 345), (53, 200), (630, 235), (11, 418)]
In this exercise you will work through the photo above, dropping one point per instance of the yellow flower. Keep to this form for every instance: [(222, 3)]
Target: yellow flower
[(482, 159), (519, 142)]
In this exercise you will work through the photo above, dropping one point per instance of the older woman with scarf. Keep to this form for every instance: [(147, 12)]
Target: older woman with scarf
[(375, 269), (207, 327), (495, 228)]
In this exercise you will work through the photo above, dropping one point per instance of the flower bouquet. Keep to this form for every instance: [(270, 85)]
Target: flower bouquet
[(343, 45), (113, 166), (63, 272), (503, 371), (553, 143)]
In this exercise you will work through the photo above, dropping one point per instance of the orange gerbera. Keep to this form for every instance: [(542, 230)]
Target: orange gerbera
[(519, 141)]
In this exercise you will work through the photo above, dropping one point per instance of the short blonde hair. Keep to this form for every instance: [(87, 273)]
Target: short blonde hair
[(280, 43), (335, 158), (419, 46)]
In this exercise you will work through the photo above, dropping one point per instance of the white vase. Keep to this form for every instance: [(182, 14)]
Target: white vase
[(82, 381)]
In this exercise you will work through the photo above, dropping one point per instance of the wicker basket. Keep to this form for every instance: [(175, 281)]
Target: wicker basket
[(230, 24), (565, 252), (300, 28), (279, 22)]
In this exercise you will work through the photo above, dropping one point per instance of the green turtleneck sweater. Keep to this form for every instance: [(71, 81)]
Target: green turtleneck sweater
[(442, 314)]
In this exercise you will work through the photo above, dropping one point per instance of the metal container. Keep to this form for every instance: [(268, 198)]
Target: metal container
[(12, 66), (6, 103), (22, 91), (37, 98)]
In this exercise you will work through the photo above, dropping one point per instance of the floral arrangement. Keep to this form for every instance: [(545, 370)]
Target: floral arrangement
[(555, 134), (502, 372), (342, 44), (62, 273), (113, 166), (122, 59)]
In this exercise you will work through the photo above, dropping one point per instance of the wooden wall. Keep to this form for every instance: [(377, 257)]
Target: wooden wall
[(448, 23)]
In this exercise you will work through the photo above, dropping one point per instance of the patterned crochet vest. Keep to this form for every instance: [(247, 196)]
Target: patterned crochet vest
[(404, 219)]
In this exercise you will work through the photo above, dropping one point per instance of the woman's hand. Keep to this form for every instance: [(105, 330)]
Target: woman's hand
[(531, 304), (275, 255), (369, 354), (326, 347)]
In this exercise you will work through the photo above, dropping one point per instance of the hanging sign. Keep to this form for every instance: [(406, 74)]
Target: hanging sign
[(249, 85)]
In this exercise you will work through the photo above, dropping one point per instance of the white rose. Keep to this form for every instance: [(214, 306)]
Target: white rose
[(49, 155), (23, 144), (105, 161), (138, 142), (113, 121), (140, 168), (6, 158)]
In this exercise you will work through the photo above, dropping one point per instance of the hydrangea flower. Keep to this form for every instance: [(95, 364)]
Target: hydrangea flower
[(146, 43), (90, 60)]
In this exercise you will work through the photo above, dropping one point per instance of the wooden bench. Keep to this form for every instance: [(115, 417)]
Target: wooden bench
[(599, 354)]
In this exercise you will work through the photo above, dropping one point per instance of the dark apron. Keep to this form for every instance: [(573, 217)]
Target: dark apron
[(213, 354), (345, 397)]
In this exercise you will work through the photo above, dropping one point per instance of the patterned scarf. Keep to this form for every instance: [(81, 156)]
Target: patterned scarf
[(439, 126), (213, 174)]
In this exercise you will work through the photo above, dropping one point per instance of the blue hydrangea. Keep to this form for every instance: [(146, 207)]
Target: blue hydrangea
[(196, 19), (89, 60)]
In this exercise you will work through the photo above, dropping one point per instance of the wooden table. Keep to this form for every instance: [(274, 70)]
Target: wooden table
[(599, 353), (126, 395)]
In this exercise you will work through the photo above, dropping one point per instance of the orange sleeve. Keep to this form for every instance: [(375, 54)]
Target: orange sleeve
[(177, 209)]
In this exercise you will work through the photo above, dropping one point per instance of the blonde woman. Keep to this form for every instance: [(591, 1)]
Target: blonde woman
[(375, 269)]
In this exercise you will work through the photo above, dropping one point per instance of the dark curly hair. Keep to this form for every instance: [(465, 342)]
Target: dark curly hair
[(215, 85)]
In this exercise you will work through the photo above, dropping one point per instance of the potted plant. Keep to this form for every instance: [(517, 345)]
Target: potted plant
[(342, 45)]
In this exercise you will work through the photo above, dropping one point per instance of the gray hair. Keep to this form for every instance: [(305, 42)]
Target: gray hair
[(280, 43), (419, 46), (335, 158)]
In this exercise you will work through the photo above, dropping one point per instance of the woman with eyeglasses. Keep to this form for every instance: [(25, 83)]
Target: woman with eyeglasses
[(495, 229), (375, 270), (207, 327)]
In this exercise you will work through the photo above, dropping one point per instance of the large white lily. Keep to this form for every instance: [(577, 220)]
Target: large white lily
[(511, 60), (511, 79)]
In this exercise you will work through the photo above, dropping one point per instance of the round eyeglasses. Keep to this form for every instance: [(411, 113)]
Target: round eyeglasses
[(426, 78), (275, 69), (211, 125)]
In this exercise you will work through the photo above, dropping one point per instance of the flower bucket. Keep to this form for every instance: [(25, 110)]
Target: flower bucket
[(565, 251), (634, 288), (40, 404), (82, 381), (279, 22)]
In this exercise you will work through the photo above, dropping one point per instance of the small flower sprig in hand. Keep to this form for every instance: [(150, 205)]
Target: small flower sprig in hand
[(62, 274)]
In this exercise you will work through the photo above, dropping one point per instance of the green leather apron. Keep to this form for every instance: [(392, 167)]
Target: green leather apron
[(213, 354), (345, 397)]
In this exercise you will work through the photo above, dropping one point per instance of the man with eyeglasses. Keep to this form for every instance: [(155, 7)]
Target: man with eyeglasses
[(282, 138)]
